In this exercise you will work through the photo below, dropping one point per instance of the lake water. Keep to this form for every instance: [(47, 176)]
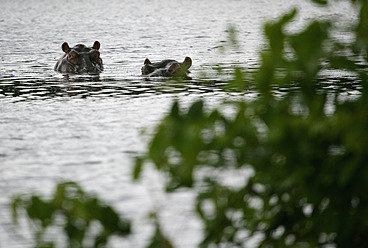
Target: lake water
[(55, 127)]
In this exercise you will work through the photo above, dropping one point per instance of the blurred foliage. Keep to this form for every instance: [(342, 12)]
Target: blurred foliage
[(76, 212), (158, 239), (306, 185)]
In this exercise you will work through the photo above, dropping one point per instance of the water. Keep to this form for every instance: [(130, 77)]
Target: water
[(87, 128)]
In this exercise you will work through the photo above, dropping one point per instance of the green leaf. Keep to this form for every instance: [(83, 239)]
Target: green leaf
[(38, 209), (196, 111), (321, 2), (15, 204), (138, 167), (159, 240)]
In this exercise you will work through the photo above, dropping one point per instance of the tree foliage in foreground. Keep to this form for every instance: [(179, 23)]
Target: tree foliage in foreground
[(85, 220), (306, 149)]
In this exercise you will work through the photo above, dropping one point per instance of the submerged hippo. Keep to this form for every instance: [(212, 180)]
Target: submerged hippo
[(80, 59), (166, 68)]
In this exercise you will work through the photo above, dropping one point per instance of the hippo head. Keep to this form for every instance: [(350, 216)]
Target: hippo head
[(80, 59), (166, 68)]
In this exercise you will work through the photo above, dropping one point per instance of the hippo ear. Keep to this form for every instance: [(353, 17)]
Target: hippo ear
[(147, 62), (65, 47), (96, 45), (187, 63), (174, 67)]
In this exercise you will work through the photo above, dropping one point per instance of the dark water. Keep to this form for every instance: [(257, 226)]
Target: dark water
[(87, 128)]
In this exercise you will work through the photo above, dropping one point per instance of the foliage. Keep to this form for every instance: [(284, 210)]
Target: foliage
[(76, 211), (307, 186), (158, 239)]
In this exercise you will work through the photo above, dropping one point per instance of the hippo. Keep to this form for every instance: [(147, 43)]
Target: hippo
[(166, 68), (80, 59)]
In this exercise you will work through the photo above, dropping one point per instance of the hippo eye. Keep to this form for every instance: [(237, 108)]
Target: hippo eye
[(72, 57), (96, 54)]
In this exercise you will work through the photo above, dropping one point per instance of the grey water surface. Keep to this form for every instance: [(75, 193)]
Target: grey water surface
[(87, 128)]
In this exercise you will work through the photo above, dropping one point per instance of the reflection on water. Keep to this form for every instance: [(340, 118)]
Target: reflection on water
[(87, 127), (83, 86), (23, 88)]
